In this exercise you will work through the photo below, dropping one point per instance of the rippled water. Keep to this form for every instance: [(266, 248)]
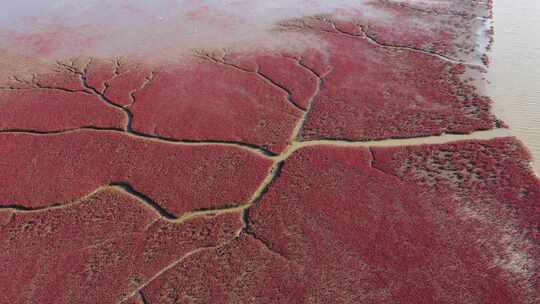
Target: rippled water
[(515, 70)]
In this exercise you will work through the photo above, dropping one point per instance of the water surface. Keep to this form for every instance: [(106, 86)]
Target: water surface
[(59, 29), (515, 70)]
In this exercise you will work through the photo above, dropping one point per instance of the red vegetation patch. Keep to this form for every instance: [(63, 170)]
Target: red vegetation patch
[(347, 232), (211, 101), (98, 250), (99, 71), (361, 88), (5, 217), (243, 271), (453, 31), (59, 79), (50, 40), (136, 299), (86, 215), (127, 80), (198, 99), (42, 109), (40, 170), (375, 92), (285, 72), (492, 185), (493, 173), (117, 80)]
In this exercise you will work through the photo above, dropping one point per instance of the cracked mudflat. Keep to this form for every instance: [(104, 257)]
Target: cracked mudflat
[(255, 152)]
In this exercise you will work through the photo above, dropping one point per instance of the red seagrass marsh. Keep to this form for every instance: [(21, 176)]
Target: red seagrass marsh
[(180, 151)]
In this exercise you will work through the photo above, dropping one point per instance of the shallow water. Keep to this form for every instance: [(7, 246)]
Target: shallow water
[(515, 70)]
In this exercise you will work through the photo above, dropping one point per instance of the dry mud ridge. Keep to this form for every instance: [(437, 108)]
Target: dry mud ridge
[(318, 176)]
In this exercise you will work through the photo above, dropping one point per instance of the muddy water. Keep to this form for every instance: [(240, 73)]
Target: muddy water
[(515, 70)]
